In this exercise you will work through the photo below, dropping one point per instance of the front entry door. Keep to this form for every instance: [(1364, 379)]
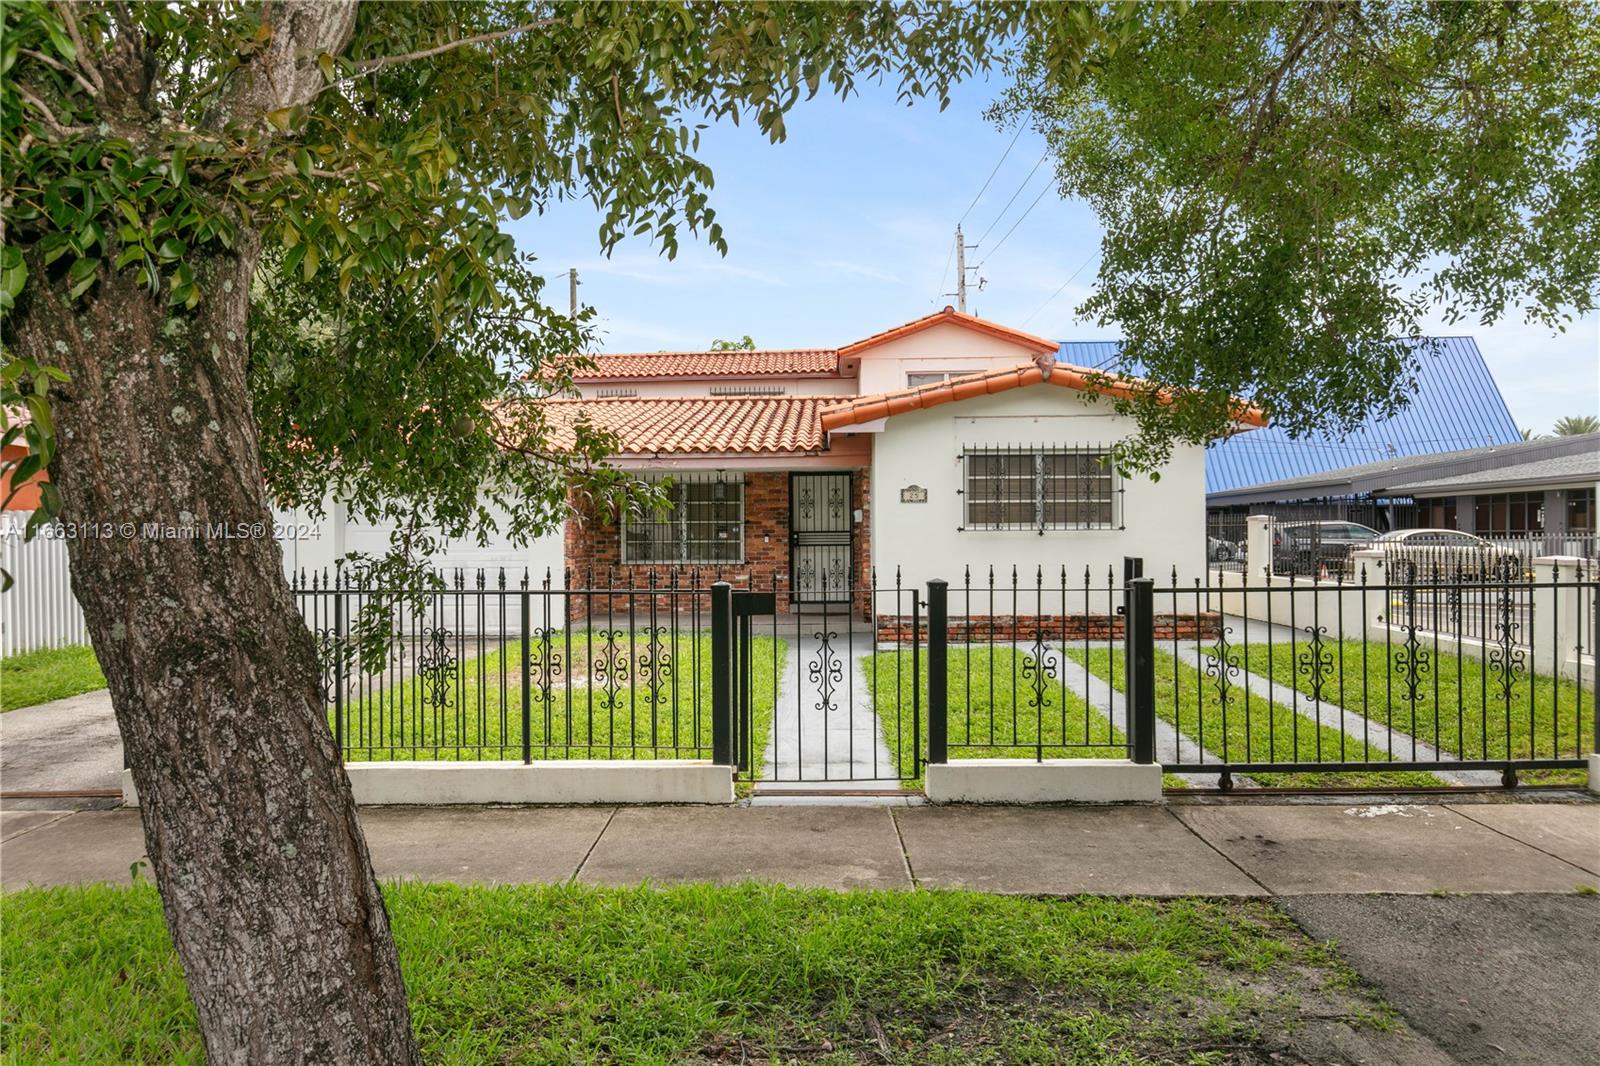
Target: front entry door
[(819, 537)]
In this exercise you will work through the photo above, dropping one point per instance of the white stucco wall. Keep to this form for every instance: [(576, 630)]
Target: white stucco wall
[(317, 543), (1165, 520), (946, 347)]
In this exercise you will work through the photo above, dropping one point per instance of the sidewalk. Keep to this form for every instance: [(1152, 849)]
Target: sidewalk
[(1212, 848)]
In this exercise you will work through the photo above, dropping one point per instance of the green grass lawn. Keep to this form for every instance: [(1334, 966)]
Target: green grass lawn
[(48, 674), (480, 716), (529, 974), (996, 710), (1461, 707), (1192, 703)]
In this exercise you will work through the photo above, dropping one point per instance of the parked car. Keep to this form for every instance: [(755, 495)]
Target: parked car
[(1222, 550), (1308, 548), (1444, 554)]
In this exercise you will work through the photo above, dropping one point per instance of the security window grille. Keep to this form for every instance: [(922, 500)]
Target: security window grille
[(1043, 488), (705, 524)]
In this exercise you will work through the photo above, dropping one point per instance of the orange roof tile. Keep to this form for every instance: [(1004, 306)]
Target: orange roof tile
[(959, 318), (771, 361), (694, 424), (984, 383)]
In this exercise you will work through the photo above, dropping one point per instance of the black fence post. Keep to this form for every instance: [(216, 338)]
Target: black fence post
[(1141, 654), (1132, 569), (722, 673), (938, 675), (527, 674), (338, 667)]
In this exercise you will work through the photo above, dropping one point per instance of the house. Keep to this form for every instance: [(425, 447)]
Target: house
[(944, 447), (1455, 405), (1538, 494)]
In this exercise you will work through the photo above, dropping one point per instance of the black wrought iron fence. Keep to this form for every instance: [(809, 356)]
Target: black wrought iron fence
[(499, 665), (1226, 536), (1423, 680), (1372, 681)]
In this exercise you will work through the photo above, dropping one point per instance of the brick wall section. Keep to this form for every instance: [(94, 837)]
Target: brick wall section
[(594, 551), (1056, 628), (861, 490)]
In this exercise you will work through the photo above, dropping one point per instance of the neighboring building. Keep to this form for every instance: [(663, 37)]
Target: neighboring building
[(1455, 405), (1540, 493), (944, 446)]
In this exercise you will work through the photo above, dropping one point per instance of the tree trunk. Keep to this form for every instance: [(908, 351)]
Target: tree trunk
[(248, 817)]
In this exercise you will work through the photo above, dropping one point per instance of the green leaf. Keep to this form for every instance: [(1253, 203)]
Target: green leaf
[(82, 275)]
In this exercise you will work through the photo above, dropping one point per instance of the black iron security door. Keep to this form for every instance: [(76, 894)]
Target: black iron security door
[(820, 521)]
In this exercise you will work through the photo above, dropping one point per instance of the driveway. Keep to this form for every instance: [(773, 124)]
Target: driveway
[(1502, 979), (69, 745)]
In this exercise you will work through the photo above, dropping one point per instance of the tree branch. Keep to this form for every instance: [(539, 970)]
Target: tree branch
[(48, 115), (62, 67), (84, 61), (367, 66)]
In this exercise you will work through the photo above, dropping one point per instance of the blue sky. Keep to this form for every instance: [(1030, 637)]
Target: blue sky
[(846, 229)]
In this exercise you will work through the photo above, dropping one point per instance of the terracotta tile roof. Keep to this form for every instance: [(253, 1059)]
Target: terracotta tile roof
[(952, 316), (987, 382), (771, 361), (695, 424)]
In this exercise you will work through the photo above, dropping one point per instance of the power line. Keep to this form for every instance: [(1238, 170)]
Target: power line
[(1013, 199), (1059, 291), (986, 182), (937, 293), (1014, 226)]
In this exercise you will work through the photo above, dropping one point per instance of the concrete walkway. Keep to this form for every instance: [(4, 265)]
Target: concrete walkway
[(1188, 847), (824, 727), (69, 745)]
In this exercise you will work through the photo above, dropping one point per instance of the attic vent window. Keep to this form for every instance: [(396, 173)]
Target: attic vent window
[(615, 393), (933, 377), (747, 390)]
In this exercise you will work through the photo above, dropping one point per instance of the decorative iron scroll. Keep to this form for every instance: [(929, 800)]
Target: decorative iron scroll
[(1507, 661), (826, 671), (329, 650), (654, 665), (1038, 670), (611, 671), (1316, 661), (436, 667), (544, 660), (1222, 664), (1412, 665)]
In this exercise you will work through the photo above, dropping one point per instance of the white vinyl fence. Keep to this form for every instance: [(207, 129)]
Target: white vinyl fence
[(39, 610)]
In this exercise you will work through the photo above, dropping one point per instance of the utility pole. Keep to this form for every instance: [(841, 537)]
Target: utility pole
[(572, 290), (961, 271)]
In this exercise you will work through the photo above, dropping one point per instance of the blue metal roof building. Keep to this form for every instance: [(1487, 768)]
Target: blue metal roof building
[(1456, 405)]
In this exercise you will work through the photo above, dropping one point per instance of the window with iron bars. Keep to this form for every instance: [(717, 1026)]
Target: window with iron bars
[(1040, 488), (704, 524)]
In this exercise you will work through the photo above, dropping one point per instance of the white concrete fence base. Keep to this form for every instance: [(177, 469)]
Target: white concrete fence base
[(1594, 773), (551, 781), (1050, 781)]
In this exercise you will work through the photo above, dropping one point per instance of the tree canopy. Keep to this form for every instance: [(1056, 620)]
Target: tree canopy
[(1288, 190), (390, 306)]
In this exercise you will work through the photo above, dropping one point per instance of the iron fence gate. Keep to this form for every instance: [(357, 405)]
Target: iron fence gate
[(1406, 679)]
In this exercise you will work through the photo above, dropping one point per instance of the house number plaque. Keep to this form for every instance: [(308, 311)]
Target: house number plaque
[(913, 494)]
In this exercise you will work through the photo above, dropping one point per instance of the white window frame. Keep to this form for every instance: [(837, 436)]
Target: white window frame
[(937, 376)]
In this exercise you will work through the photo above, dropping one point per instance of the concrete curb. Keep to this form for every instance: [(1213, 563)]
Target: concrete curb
[(1050, 781), (555, 781)]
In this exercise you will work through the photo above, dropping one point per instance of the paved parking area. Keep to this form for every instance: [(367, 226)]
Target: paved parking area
[(1239, 848)]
